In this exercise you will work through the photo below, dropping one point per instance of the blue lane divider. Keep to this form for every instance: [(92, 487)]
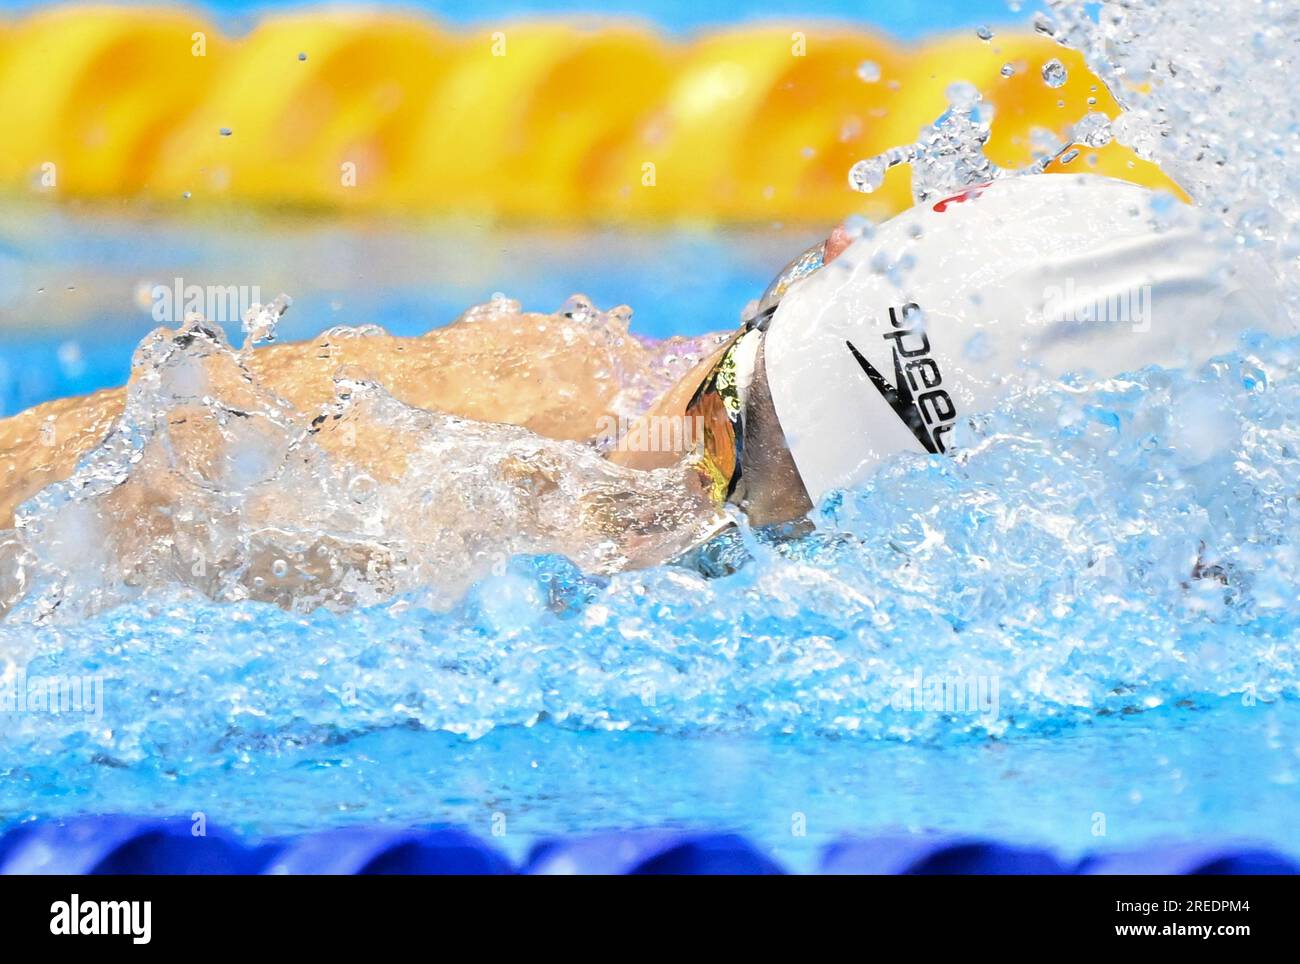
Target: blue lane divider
[(362, 850), (124, 845), (1196, 858), (604, 853), (141, 845), (651, 852), (923, 854)]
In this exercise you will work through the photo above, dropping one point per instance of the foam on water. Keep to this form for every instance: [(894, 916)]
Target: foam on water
[(1096, 550)]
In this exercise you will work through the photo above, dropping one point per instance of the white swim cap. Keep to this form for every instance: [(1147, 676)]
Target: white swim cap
[(947, 307)]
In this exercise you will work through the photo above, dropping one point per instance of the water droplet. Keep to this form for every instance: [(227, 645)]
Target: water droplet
[(302, 56), (962, 95), (869, 71), (280, 568), (1054, 74), (362, 489), (984, 33), (1008, 70), (856, 226), (867, 175), (1136, 131), (1093, 130), (225, 132), (260, 320), (578, 308)]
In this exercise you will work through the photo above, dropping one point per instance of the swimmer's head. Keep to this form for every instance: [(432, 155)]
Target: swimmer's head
[(864, 348)]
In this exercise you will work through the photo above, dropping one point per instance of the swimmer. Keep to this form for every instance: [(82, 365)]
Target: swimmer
[(864, 348), (870, 344)]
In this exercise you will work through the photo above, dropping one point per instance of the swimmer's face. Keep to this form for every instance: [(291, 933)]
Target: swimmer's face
[(746, 458)]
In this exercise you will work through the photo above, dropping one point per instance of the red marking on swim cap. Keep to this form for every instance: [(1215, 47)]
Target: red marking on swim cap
[(967, 195)]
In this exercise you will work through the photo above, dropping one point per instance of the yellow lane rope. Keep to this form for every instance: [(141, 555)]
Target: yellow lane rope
[(555, 120)]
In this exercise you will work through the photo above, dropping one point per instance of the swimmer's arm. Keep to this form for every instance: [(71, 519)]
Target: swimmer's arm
[(670, 406), (514, 367), (43, 444)]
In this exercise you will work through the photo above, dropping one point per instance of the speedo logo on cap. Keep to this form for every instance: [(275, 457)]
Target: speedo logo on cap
[(917, 395)]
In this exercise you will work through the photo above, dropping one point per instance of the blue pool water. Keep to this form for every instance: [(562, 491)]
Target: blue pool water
[(1116, 700), (1203, 776), (74, 286)]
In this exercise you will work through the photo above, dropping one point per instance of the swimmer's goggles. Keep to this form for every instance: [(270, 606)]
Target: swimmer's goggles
[(719, 402)]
